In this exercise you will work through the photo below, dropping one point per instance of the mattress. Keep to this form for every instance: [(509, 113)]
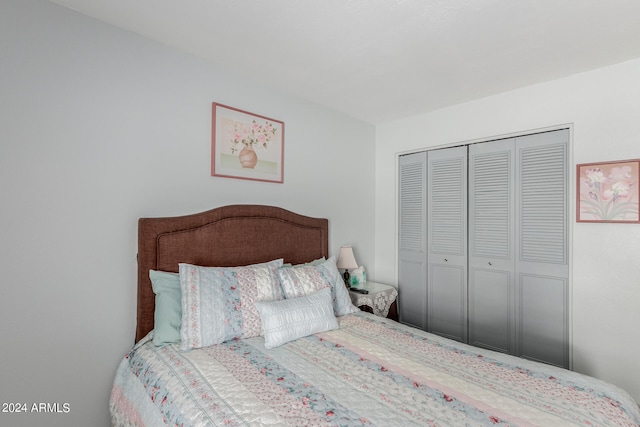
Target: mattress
[(370, 371)]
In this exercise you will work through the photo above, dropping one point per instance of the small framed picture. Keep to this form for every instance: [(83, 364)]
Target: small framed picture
[(246, 145), (608, 192)]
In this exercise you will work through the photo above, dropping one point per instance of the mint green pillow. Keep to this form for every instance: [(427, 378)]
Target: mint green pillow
[(167, 317)]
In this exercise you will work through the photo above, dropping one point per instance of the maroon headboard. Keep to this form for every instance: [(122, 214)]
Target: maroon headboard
[(227, 236)]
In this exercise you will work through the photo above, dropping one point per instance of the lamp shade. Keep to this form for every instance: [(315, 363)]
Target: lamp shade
[(346, 259)]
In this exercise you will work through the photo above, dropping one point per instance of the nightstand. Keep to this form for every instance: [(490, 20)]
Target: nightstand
[(381, 299)]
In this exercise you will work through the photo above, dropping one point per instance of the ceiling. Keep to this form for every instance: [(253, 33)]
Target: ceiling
[(380, 60)]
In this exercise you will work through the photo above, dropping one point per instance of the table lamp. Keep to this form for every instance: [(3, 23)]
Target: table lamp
[(347, 261)]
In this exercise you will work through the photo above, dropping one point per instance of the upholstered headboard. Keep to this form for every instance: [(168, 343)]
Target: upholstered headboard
[(227, 236)]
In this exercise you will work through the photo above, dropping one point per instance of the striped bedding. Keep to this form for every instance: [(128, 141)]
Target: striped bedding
[(370, 372)]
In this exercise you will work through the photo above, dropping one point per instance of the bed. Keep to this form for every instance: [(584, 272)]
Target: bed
[(266, 336)]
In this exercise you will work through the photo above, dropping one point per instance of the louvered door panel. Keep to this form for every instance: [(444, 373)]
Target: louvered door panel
[(542, 269), (543, 201), (412, 205), (447, 243), (446, 205), (412, 240), (490, 199), (491, 245)]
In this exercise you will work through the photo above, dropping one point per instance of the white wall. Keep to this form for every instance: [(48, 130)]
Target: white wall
[(603, 107), (99, 127)]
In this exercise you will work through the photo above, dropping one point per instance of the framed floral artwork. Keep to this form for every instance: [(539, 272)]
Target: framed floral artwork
[(608, 192), (246, 145)]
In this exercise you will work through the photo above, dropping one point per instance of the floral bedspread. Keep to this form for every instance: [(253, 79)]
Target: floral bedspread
[(371, 371)]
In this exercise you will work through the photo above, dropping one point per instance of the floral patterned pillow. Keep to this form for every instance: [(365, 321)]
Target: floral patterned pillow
[(218, 303), (299, 281)]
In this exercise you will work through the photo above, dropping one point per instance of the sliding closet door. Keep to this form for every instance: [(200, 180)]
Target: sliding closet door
[(542, 264), (447, 247), (412, 240), (492, 245)]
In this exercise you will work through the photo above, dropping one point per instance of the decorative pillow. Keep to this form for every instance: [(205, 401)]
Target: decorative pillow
[(303, 280), (290, 319), (218, 303), (168, 312)]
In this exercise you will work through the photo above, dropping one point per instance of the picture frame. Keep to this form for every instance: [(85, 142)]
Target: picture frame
[(608, 192), (245, 145)]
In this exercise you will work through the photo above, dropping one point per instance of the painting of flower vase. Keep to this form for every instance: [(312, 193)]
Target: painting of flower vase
[(246, 145)]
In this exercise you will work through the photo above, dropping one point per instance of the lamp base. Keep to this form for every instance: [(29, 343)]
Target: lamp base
[(346, 276)]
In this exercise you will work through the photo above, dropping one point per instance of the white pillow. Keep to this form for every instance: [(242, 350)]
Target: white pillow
[(290, 319)]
